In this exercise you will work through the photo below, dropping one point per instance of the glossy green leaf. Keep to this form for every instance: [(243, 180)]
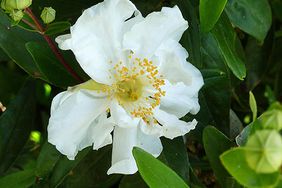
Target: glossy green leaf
[(64, 166), (92, 171), (57, 27), (235, 163), (15, 125), (216, 93), (49, 65), (210, 11), (154, 172), (21, 179), (175, 153), (215, 143), (228, 41), (253, 16), (191, 39), (47, 160), (12, 42)]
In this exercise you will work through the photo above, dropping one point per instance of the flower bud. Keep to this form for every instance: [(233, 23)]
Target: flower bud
[(264, 151), (272, 118), (10, 5), (16, 15), (48, 15)]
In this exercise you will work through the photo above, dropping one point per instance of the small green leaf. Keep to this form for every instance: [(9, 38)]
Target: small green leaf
[(253, 16), (228, 44), (215, 143), (234, 161), (210, 11), (21, 179), (253, 105), (57, 27), (154, 172)]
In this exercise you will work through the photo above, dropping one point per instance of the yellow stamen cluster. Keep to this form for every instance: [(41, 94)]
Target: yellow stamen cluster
[(131, 82)]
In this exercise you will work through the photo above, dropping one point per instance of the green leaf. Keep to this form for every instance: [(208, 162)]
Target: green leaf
[(228, 41), (216, 93), (15, 125), (234, 161), (175, 153), (47, 160), (92, 171), (12, 42), (9, 89), (134, 180), (253, 105), (253, 16), (64, 166), (21, 179), (154, 172), (210, 11), (215, 143), (49, 65), (57, 27), (191, 38)]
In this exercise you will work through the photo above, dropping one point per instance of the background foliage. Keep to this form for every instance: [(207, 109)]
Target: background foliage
[(236, 44)]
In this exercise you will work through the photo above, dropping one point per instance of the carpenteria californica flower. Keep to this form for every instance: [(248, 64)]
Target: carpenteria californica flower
[(141, 83)]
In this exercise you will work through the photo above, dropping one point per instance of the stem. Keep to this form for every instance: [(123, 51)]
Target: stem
[(52, 45), (29, 24)]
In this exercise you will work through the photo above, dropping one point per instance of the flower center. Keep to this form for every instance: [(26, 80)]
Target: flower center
[(138, 87), (129, 89)]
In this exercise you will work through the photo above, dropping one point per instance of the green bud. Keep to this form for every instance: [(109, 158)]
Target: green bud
[(15, 4), (272, 118), (264, 151), (48, 15), (16, 15)]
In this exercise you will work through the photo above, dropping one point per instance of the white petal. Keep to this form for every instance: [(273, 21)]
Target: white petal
[(64, 41), (124, 140), (72, 116), (145, 37), (97, 35), (121, 117), (179, 100), (175, 68), (101, 131), (150, 143), (172, 126), (151, 129), (122, 159)]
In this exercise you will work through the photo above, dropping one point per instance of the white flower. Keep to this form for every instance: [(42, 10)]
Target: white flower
[(141, 83)]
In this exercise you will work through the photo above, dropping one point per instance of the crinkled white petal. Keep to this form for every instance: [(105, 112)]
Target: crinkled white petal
[(179, 100), (64, 41), (101, 131), (146, 36), (175, 68), (121, 117), (71, 121), (96, 37), (172, 126), (124, 140)]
